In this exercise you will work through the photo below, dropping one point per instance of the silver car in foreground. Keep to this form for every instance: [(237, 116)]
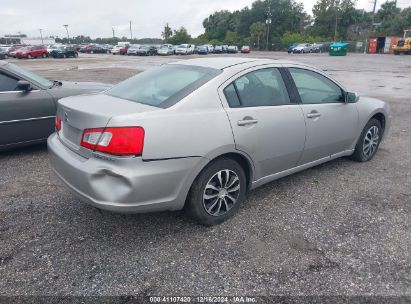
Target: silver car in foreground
[(197, 134)]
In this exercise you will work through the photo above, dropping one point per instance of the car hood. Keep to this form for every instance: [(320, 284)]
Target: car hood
[(69, 88)]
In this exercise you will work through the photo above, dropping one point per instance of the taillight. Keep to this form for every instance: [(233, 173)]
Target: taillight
[(115, 141), (58, 123)]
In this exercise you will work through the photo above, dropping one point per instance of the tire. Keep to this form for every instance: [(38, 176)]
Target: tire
[(44, 55), (29, 56), (374, 131), (220, 206), (396, 53), (75, 55)]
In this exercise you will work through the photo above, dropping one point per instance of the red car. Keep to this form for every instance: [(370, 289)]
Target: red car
[(32, 52), (245, 49), (14, 49)]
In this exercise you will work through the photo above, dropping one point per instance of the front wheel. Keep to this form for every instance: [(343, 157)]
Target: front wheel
[(368, 142), (217, 192)]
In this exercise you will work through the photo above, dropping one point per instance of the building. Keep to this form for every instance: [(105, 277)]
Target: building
[(23, 39)]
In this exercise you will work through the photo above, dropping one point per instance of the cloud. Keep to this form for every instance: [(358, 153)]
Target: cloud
[(97, 18)]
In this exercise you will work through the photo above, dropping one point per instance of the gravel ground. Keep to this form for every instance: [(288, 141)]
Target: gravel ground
[(342, 228)]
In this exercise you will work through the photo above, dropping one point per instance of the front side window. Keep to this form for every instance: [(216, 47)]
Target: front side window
[(7, 83), (29, 75), (315, 88), (164, 86), (263, 87)]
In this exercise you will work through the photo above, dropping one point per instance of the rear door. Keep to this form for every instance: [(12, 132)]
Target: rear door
[(267, 124), (24, 116), (332, 123)]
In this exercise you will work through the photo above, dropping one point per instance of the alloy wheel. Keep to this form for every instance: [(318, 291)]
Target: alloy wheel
[(371, 140), (221, 192)]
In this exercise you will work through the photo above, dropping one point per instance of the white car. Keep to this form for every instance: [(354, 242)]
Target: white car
[(185, 49), (210, 48), (303, 48), (52, 47), (166, 49)]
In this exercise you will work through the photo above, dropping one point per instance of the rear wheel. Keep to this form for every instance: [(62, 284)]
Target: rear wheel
[(217, 192), (368, 142), (29, 56), (44, 55)]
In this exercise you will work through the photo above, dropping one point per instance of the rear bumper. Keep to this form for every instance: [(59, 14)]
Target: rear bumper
[(126, 185)]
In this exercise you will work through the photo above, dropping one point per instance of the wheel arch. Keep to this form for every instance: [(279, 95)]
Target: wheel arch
[(381, 118)]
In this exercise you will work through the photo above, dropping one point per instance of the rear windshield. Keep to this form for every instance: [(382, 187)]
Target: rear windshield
[(163, 86)]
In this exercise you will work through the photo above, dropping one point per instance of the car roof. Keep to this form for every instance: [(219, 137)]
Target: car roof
[(222, 63)]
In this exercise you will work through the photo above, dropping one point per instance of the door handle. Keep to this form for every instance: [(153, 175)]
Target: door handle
[(247, 121), (313, 114)]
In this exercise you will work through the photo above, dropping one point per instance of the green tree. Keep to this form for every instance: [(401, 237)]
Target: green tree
[(167, 32), (180, 36), (231, 38), (392, 20), (257, 31)]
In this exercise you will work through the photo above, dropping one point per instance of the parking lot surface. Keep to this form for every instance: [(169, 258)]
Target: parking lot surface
[(342, 228)]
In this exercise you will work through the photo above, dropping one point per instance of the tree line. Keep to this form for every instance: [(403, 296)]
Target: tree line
[(332, 20), (286, 22)]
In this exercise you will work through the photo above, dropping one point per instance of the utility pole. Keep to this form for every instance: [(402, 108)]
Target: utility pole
[(112, 28), (268, 22), (336, 25), (373, 13), (131, 32), (41, 35), (68, 37)]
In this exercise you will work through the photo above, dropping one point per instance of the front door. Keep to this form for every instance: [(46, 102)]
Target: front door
[(24, 116), (266, 124), (332, 123)]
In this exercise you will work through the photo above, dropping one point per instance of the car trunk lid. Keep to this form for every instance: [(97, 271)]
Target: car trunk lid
[(92, 111)]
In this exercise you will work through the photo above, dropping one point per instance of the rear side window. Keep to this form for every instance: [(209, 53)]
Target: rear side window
[(315, 88), (164, 86), (263, 87)]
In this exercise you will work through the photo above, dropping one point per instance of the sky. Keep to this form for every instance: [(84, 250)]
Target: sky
[(97, 18)]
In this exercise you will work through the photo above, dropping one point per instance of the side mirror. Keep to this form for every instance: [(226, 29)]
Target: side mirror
[(352, 97), (24, 85)]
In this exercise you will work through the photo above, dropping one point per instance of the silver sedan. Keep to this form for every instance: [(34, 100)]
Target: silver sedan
[(198, 134)]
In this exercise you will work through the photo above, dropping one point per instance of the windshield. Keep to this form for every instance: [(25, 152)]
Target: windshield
[(163, 86), (184, 46), (27, 74)]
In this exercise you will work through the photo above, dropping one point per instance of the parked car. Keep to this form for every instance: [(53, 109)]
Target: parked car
[(185, 49), (245, 49), (232, 49), (302, 48), (202, 50), (210, 48), (86, 48), (30, 52), (205, 131), (3, 53), (317, 48), (291, 47), (132, 50), (147, 50), (98, 49), (64, 51), (14, 49), (52, 47), (166, 49), (120, 50), (218, 49), (28, 104)]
